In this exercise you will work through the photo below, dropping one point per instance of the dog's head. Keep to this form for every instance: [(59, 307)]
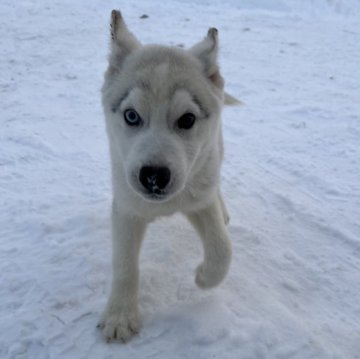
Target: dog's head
[(162, 107)]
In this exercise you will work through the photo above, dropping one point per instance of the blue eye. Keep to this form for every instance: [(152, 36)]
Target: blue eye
[(132, 118)]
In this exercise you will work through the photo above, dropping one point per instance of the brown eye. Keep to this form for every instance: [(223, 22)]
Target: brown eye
[(186, 121), (132, 118)]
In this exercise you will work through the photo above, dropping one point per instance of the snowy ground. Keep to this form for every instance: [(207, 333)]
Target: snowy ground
[(291, 178)]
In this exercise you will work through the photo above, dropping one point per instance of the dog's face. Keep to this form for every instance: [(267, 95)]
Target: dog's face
[(162, 107)]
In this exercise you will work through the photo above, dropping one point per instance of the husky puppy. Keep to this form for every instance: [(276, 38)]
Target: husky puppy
[(163, 117)]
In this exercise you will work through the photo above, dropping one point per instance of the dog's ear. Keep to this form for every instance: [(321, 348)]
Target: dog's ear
[(207, 52), (123, 42)]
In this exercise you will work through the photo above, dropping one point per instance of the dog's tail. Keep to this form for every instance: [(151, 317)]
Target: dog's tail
[(231, 100)]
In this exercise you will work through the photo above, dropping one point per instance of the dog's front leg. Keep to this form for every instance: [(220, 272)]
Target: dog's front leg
[(120, 320), (209, 222), (224, 210)]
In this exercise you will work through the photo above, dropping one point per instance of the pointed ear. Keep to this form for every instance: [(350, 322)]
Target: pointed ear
[(123, 42), (207, 52)]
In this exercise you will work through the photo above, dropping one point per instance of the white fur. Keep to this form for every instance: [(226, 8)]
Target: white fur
[(161, 84)]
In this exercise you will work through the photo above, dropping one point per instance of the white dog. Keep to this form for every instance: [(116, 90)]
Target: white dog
[(162, 107)]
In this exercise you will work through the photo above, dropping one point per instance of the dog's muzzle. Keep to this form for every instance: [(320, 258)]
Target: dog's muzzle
[(154, 179)]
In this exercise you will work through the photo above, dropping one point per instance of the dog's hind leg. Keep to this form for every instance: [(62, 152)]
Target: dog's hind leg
[(209, 223), (120, 320)]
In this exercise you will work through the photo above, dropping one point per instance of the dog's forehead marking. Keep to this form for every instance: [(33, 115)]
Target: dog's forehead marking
[(162, 85), (158, 81), (161, 73), (153, 81)]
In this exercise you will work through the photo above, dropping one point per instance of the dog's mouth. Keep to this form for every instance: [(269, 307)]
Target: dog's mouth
[(155, 194), (158, 196), (152, 194)]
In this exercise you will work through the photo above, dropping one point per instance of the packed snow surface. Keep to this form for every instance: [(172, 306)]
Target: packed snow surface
[(291, 179)]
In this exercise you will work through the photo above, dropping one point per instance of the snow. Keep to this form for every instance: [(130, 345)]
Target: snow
[(290, 178)]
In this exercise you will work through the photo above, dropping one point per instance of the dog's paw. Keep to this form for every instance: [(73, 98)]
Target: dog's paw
[(119, 325), (208, 277)]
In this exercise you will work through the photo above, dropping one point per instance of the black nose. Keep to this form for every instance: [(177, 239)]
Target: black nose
[(154, 179)]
